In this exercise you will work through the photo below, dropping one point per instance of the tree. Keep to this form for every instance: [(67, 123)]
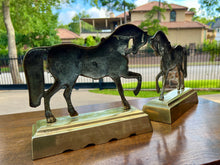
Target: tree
[(152, 23), (211, 7), (74, 25), (198, 18), (13, 64), (25, 16), (28, 16), (62, 26), (119, 6), (213, 47)]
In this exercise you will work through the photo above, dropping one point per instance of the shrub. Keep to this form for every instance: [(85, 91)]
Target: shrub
[(212, 47), (90, 41), (79, 41)]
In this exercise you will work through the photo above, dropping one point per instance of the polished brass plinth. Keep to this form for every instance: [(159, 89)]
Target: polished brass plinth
[(174, 105), (73, 133)]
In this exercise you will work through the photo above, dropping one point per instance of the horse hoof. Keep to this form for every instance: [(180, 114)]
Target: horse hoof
[(158, 90), (136, 92), (74, 113), (161, 98), (127, 107), (51, 119)]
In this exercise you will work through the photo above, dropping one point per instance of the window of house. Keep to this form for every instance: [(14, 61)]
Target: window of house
[(172, 16)]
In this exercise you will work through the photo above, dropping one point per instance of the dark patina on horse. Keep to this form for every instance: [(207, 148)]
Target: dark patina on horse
[(68, 61), (171, 57)]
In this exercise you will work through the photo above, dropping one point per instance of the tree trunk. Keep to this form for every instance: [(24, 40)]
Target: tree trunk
[(159, 13), (125, 17), (12, 51)]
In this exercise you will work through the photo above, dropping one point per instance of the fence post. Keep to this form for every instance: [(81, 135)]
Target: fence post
[(100, 83)]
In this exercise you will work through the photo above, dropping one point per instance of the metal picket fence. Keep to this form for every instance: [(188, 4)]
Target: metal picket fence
[(200, 68)]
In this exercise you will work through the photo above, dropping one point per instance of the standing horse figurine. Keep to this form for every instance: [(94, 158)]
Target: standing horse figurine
[(171, 58), (68, 61)]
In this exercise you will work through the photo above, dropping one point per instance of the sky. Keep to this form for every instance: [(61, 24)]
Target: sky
[(67, 12)]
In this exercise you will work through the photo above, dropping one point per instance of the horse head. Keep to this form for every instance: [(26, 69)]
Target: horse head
[(139, 41), (160, 43), (131, 31), (122, 44)]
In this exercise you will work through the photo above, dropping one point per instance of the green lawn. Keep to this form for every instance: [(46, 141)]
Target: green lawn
[(190, 84), (151, 85)]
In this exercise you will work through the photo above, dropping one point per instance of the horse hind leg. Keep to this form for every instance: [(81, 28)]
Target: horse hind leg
[(164, 84), (47, 96), (67, 96), (157, 84)]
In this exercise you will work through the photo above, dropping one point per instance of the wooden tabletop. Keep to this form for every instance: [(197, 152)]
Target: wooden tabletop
[(193, 139)]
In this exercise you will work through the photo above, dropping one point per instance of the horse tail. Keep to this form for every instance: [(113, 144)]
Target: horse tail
[(34, 73), (185, 62)]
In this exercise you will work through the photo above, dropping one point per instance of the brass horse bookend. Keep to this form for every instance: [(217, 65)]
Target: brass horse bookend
[(170, 58), (68, 61), (170, 106)]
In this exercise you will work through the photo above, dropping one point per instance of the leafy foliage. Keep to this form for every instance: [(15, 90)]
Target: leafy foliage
[(34, 22), (210, 7), (118, 5), (89, 41), (152, 24), (212, 47), (74, 25), (200, 19), (79, 41), (61, 26)]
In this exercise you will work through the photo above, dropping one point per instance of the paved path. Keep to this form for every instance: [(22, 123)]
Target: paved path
[(16, 101)]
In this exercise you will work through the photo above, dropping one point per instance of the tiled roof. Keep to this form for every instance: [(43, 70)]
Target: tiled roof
[(186, 24), (179, 25), (66, 34), (150, 5), (122, 15)]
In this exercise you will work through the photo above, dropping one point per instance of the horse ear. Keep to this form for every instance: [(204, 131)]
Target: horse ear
[(103, 39), (142, 38)]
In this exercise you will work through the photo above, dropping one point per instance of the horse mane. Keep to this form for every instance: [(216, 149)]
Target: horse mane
[(126, 29)]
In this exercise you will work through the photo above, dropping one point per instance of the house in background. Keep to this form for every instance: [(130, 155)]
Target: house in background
[(216, 26), (66, 36), (102, 26), (181, 29)]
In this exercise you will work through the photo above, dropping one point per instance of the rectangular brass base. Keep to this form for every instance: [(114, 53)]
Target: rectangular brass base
[(173, 106), (73, 133)]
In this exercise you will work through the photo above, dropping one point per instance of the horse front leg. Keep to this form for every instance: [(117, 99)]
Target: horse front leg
[(47, 96), (179, 78), (121, 92), (139, 79), (182, 78), (67, 96), (164, 84), (157, 84), (182, 83)]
